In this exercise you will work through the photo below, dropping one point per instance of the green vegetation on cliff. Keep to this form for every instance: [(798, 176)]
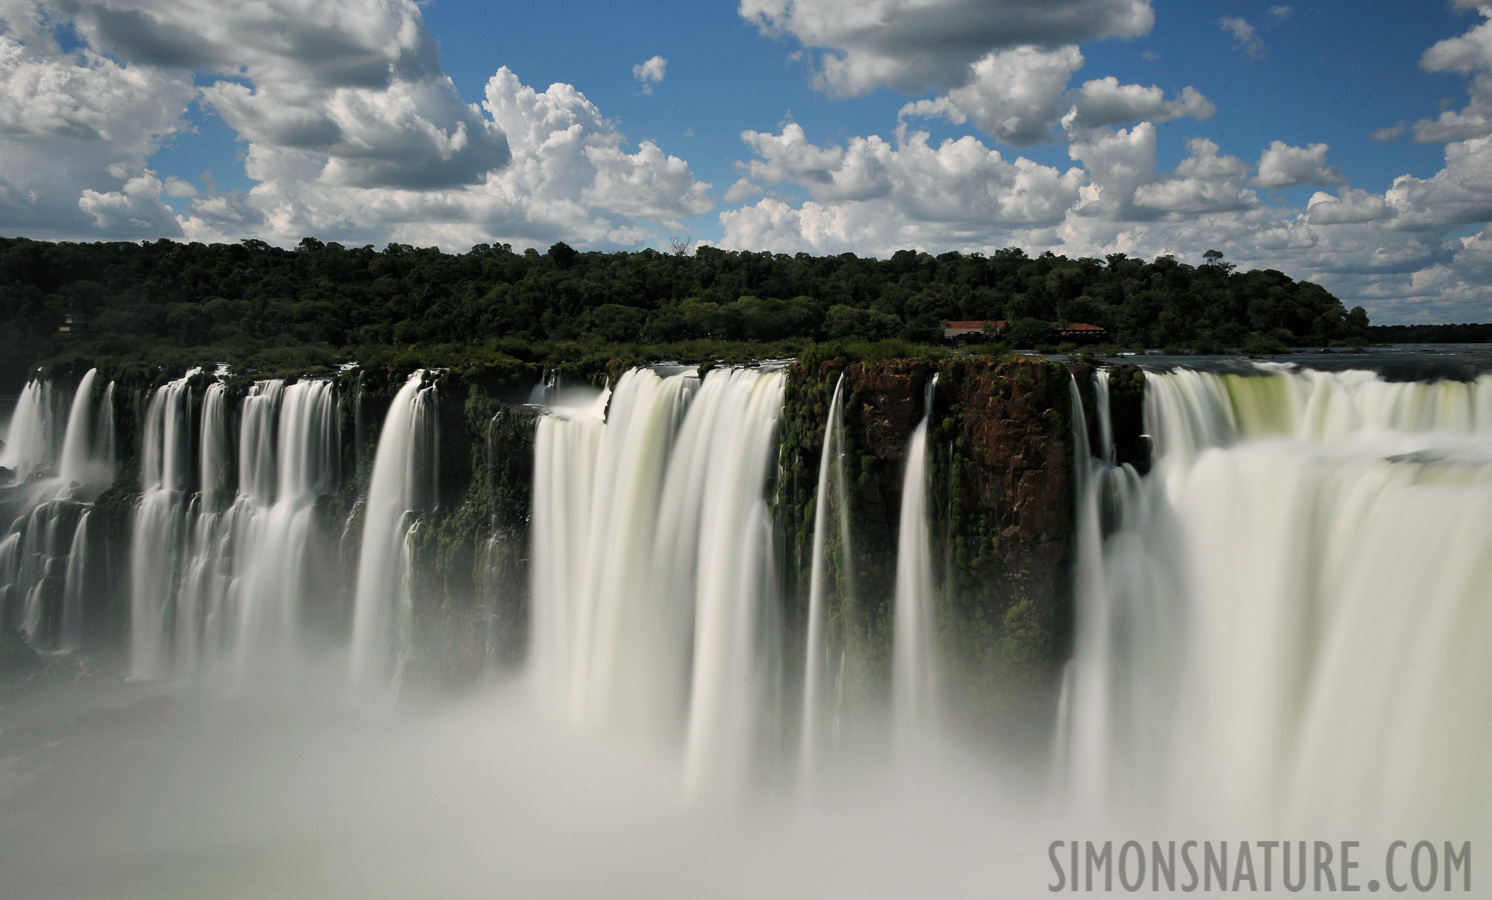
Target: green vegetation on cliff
[(170, 305)]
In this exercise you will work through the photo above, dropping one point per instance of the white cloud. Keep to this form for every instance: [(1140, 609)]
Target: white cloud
[(176, 187), (1206, 181), (1458, 194), (134, 209), (348, 89), (75, 120), (1282, 166), (1469, 54), (1282, 11), (956, 181), (650, 72), (1015, 96), (1349, 206), (1118, 162), (351, 130), (1104, 101), (1019, 97), (876, 194), (570, 178), (1245, 36), (920, 45)]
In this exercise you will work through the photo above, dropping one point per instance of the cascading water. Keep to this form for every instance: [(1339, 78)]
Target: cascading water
[(914, 680), (274, 521), (200, 630), (77, 454), (39, 577), (830, 581), (28, 440), (604, 646), (649, 527), (726, 448), (1288, 620), (159, 527), (1104, 415), (405, 481), (246, 578), (75, 584)]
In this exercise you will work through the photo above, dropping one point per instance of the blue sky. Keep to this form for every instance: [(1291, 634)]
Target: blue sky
[(1346, 142)]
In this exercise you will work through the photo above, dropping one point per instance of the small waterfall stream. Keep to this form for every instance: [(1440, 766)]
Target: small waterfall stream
[(405, 482), (914, 679), (830, 581)]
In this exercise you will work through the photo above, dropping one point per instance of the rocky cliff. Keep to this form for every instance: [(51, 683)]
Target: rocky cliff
[(1001, 492)]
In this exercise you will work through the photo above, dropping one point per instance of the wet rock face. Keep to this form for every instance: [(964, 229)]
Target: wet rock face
[(1016, 433), (1008, 466), (1127, 413), (891, 395), (1000, 487)]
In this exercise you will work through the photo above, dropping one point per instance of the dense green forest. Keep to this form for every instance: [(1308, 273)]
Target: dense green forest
[(250, 303), (1432, 334)]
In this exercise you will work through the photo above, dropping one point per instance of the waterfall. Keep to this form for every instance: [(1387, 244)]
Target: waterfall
[(1288, 619), (44, 556), (35, 566), (28, 441), (651, 559), (1104, 416), (214, 453), (75, 584), (823, 585), (405, 482), (106, 440), (245, 573), (77, 455), (598, 614), (722, 463), (159, 526), (204, 579), (913, 659), (274, 523)]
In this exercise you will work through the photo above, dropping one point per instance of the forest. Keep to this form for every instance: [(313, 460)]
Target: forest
[(170, 304)]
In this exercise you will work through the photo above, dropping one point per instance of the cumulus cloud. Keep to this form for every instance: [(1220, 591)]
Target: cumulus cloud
[(650, 73), (1118, 162), (1282, 166), (570, 178), (1469, 54), (1349, 206), (1282, 11), (135, 209), (351, 90), (919, 45), (1245, 36), (873, 192), (350, 130), (1019, 97), (1104, 101), (1206, 181), (70, 120), (957, 180), (1458, 194), (1015, 96)]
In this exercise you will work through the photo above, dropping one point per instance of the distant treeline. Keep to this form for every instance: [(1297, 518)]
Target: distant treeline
[(1431, 334), (252, 301)]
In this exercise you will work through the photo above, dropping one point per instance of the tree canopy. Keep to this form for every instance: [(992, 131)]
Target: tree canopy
[(252, 298)]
